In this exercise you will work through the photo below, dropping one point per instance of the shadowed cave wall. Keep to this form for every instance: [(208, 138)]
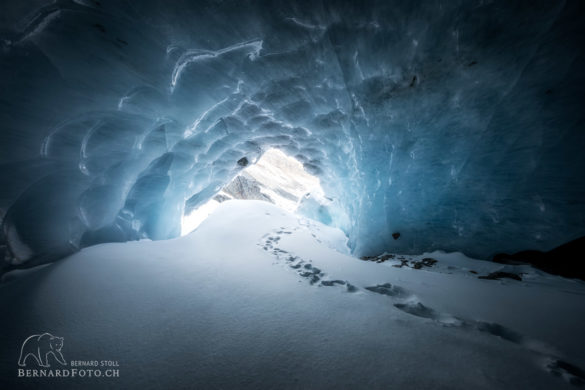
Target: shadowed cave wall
[(457, 124)]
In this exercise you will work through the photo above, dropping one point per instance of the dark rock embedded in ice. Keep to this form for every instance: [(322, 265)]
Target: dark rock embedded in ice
[(501, 275), (564, 260)]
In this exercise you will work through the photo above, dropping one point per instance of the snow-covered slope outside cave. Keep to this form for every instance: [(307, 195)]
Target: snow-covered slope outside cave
[(258, 297), (457, 124), (283, 179), (275, 178)]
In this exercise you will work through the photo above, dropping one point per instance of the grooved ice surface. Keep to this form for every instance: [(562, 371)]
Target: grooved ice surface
[(458, 125)]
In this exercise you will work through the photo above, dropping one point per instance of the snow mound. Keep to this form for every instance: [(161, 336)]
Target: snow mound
[(257, 297)]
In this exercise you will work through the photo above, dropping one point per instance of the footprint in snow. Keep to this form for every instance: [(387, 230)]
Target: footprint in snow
[(408, 303), (302, 267)]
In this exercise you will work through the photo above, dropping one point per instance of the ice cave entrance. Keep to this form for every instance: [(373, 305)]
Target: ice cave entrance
[(275, 178)]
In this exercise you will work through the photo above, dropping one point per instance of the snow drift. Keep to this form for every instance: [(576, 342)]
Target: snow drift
[(257, 297)]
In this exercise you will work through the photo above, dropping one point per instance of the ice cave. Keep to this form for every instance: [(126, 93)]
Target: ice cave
[(261, 194)]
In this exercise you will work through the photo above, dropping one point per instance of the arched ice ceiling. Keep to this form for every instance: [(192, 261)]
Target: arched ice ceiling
[(457, 124)]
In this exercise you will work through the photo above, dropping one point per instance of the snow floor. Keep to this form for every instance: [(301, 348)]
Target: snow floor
[(257, 297)]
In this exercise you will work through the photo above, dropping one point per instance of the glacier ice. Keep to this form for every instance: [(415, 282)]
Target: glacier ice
[(458, 125)]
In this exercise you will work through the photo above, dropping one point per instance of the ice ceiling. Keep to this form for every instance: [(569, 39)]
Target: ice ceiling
[(457, 124)]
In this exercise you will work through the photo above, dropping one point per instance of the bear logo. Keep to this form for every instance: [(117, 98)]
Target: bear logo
[(40, 346)]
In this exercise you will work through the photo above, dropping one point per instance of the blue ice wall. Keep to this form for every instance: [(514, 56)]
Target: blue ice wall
[(458, 124)]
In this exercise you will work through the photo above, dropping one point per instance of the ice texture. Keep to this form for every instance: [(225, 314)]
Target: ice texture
[(459, 125)]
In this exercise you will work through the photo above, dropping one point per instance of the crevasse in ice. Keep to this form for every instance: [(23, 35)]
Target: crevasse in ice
[(459, 126)]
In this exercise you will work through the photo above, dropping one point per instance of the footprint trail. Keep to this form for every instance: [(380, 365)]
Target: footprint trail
[(303, 267), (407, 302)]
